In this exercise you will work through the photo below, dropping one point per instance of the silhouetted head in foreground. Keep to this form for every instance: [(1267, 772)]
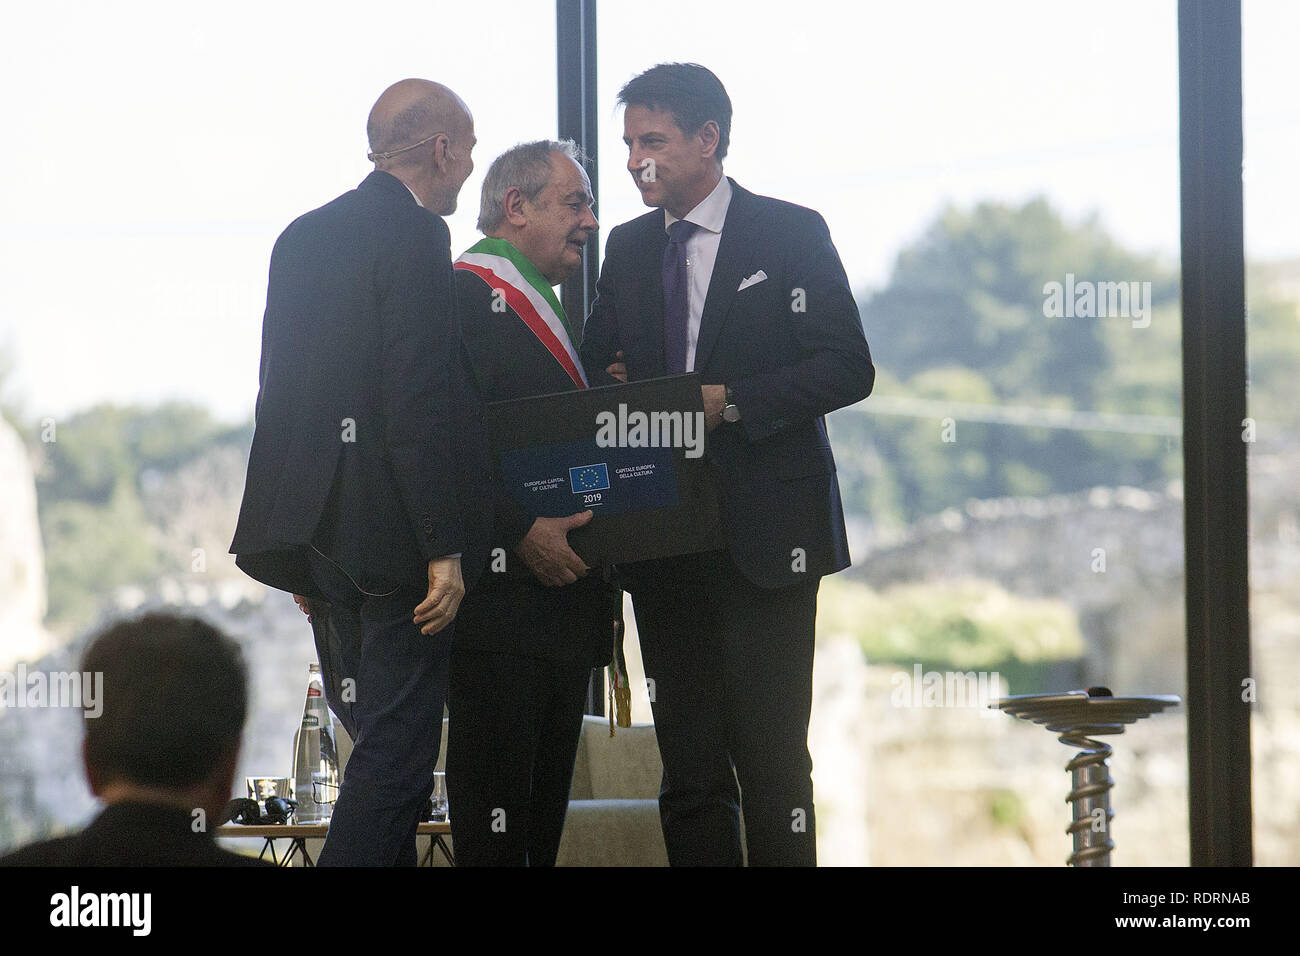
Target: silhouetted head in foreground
[(174, 700)]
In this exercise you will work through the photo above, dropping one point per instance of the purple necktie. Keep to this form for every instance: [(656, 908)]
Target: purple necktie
[(677, 313)]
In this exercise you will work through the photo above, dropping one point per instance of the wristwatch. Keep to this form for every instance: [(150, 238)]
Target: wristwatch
[(730, 413)]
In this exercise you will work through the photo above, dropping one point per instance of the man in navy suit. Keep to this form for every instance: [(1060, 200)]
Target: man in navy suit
[(749, 292), (368, 479)]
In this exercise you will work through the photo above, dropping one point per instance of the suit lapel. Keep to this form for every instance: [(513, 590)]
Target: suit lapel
[(734, 252)]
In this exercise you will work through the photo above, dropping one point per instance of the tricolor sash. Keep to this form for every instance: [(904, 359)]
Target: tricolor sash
[(498, 263)]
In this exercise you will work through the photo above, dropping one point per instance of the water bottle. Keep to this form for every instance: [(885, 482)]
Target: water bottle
[(315, 759)]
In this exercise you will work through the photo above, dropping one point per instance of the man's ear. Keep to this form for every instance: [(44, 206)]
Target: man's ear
[(442, 155), (513, 206), (709, 137)]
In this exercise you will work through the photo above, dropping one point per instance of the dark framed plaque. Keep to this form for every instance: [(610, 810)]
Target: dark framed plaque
[(633, 454)]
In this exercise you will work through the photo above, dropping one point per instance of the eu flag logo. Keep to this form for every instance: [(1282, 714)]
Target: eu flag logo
[(589, 478)]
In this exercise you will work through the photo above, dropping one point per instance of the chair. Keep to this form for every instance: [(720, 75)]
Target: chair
[(613, 817)]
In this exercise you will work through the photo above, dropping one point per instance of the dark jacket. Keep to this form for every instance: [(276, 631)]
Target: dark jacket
[(790, 347), (512, 612), (133, 834), (368, 439)]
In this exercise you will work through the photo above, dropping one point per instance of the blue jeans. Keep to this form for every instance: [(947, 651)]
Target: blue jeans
[(387, 683)]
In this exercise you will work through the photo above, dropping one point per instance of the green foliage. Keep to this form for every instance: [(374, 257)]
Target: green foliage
[(970, 293), (92, 548), (967, 625), (962, 320), (99, 451), (96, 534), (1006, 809), (1273, 345)]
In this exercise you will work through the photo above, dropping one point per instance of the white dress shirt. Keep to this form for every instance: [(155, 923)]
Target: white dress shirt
[(413, 195), (701, 253)]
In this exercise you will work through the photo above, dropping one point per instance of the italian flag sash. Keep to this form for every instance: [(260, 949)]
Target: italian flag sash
[(504, 268)]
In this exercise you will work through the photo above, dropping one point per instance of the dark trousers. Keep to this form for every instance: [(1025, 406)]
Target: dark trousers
[(511, 743), (731, 666), (387, 683)]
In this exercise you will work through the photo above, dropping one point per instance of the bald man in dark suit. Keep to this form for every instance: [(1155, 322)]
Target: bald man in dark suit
[(368, 477)]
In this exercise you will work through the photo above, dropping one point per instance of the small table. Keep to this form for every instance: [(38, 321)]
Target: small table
[(1078, 716), (299, 833)]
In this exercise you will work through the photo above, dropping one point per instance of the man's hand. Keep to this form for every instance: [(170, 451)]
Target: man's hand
[(304, 605), (545, 549), (446, 588), (715, 399), (619, 369)]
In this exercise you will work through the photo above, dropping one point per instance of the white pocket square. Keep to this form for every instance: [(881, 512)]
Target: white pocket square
[(755, 279)]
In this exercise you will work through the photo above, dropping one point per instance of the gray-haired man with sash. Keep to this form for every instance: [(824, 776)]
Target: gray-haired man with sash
[(528, 636)]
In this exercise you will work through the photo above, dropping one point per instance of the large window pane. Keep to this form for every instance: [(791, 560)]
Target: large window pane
[(1014, 482), (1272, 205), (154, 154)]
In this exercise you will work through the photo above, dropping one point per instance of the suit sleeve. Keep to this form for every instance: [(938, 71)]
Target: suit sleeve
[(512, 522), (474, 301), (835, 367), (421, 350), (600, 341)]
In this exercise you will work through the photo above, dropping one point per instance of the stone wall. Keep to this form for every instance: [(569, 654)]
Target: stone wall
[(1114, 555)]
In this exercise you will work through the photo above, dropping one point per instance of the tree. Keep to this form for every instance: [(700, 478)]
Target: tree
[(96, 532), (963, 320)]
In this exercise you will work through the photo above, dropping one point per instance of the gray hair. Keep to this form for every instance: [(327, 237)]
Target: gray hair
[(526, 167)]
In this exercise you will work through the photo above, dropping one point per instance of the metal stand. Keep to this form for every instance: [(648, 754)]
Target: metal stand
[(1078, 716)]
